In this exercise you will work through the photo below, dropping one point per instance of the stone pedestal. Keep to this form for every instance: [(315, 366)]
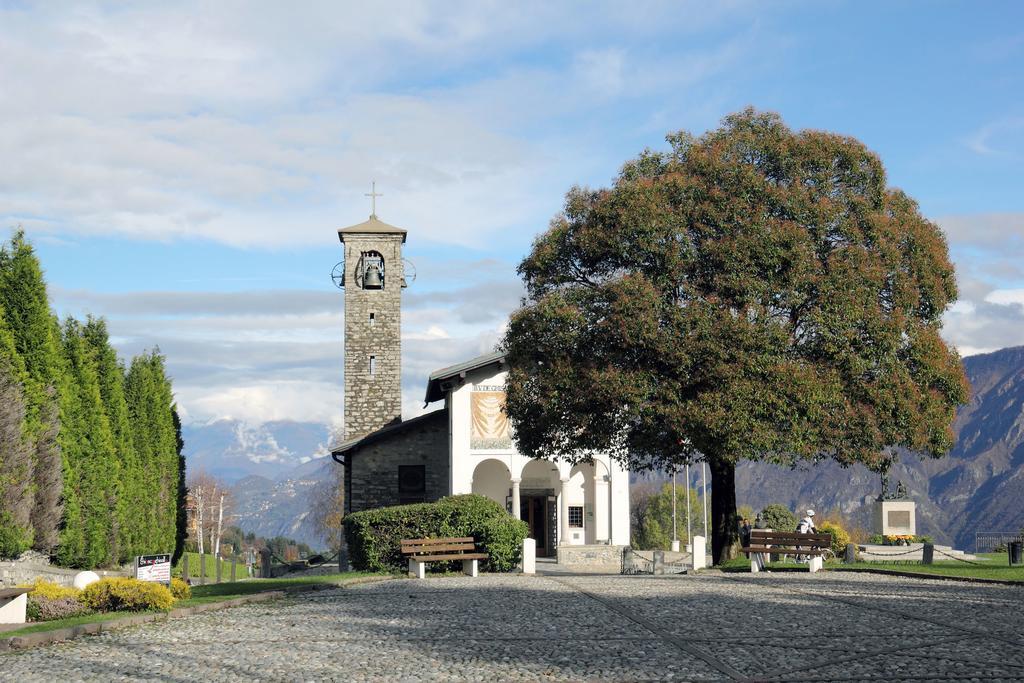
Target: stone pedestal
[(12, 606), (894, 518)]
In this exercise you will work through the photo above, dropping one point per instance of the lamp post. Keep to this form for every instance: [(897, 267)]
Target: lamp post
[(704, 485)]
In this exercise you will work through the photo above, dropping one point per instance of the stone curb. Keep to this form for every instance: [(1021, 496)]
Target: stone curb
[(922, 575)]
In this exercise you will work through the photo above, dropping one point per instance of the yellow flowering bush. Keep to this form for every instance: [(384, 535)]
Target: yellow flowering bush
[(180, 589), (127, 595), (41, 588)]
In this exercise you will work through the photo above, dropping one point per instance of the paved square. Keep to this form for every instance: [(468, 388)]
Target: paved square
[(792, 627)]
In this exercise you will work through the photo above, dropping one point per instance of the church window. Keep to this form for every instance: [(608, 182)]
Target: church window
[(576, 516), (412, 484), (373, 365)]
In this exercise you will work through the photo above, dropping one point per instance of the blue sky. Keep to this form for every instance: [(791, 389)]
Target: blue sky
[(183, 169)]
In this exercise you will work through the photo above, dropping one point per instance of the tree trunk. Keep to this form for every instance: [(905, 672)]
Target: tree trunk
[(725, 536)]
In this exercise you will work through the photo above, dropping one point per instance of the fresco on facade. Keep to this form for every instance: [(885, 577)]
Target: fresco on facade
[(489, 425)]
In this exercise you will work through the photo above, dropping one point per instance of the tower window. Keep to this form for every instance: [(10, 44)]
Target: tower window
[(373, 318), (373, 365)]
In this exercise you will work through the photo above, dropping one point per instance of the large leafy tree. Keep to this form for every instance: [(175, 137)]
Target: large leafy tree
[(754, 293)]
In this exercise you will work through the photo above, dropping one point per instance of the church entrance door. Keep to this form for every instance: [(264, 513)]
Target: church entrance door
[(534, 510)]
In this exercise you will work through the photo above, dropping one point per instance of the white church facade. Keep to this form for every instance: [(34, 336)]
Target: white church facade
[(463, 445)]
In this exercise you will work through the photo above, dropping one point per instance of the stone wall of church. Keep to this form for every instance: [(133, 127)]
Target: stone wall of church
[(374, 467)]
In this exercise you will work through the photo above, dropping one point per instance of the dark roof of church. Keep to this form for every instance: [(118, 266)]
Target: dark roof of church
[(435, 384), (385, 432), (372, 226)]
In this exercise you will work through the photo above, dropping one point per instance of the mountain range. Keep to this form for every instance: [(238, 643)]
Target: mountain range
[(978, 486)]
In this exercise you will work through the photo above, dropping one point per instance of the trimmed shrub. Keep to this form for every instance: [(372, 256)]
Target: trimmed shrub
[(41, 608), (126, 595), (839, 536), (502, 537), (778, 518), (374, 537), (180, 590), (41, 588)]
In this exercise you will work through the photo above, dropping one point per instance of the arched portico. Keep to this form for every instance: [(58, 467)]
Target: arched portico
[(491, 478)]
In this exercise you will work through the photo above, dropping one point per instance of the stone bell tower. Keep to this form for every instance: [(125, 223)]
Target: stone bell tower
[(373, 280)]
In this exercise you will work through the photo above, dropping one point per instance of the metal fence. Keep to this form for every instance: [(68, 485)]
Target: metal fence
[(988, 541)]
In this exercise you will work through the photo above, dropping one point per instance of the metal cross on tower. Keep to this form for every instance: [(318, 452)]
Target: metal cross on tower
[(373, 194)]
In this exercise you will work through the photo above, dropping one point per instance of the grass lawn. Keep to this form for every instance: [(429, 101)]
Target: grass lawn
[(994, 566), (201, 595)]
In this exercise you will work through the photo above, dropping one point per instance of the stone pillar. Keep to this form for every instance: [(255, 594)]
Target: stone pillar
[(601, 519), (928, 554), (515, 499), (563, 513)]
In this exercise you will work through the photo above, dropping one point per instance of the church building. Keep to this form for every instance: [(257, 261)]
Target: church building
[(579, 514)]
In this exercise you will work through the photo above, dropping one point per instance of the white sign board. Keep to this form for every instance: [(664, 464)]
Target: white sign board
[(155, 568)]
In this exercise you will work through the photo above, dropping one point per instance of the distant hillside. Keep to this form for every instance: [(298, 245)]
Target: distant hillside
[(281, 507), (979, 486)]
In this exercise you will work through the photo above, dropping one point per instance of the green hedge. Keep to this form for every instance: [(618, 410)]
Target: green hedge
[(374, 537)]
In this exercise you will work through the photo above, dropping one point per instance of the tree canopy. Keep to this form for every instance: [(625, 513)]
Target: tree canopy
[(754, 293)]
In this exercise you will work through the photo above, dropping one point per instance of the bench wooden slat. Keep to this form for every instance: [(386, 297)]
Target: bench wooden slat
[(781, 550), (429, 541), (445, 558), (438, 548), (788, 535)]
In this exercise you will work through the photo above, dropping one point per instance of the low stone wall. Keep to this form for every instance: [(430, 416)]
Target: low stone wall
[(31, 566), (604, 556)]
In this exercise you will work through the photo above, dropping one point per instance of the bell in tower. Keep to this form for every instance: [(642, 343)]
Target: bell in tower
[(373, 271)]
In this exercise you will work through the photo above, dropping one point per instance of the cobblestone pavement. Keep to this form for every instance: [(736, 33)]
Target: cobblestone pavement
[(791, 627)]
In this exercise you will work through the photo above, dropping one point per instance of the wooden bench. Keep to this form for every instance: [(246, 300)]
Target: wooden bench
[(764, 541), (13, 602), (423, 550)]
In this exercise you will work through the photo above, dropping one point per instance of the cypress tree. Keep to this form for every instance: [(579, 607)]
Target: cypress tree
[(123, 472), (15, 452), (35, 338), (181, 507), (88, 446), (150, 409)]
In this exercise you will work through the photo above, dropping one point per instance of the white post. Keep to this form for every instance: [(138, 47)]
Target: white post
[(529, 556), (815, 563), (563, 511), (699, 555), (515, 499), (470, 567)]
